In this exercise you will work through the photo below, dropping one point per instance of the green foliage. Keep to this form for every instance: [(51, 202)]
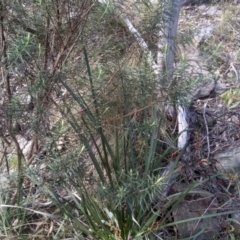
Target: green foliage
[(114, 116), (22, 50), (231, 98), (127, 162), (111, 119)]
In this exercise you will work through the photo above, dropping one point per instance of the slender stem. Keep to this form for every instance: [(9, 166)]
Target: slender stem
[(6, 78)]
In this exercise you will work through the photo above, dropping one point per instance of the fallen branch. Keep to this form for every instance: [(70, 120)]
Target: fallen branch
[(183, 135), (142, 44)]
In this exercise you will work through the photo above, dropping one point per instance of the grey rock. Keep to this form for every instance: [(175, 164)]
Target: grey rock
[(203, 32), (25, 145), (202, 7), (214, 11), (4, 182), (229, 158), (203, 83), (236, 223), (202, 90), (196, 206), (220, 87)]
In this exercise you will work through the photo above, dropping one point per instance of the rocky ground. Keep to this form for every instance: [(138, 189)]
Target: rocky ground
[(214, 119)]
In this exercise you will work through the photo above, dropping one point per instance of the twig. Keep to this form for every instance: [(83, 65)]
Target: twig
[(206, 125), (4, 154), (204, 213), (222, 147), (236, 72), (51, 203), (4, 138)]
